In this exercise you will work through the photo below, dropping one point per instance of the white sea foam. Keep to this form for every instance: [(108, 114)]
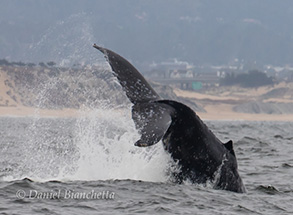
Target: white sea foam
[(105, 141), (97, 145)]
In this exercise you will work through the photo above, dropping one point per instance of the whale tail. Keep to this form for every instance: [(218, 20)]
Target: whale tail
[(134, 84), (152, 119)]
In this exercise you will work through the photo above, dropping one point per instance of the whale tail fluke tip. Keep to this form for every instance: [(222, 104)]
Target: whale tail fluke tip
[(99, 48)]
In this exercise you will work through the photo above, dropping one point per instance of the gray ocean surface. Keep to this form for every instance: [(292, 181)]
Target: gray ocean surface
[(89, 165)]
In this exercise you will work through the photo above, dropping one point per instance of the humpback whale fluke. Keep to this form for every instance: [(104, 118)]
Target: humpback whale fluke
[(201, 156), (136, 87)]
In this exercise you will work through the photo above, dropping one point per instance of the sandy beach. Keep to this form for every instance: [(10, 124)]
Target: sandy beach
[(224, 112), (219, 102), (22, 111), (19, 88), (213, 112)]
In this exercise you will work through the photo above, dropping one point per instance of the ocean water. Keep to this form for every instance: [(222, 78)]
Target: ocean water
[(89, 165)]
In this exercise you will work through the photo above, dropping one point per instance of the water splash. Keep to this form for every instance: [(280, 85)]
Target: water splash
[(96, 144), (66, 43), (106, 150)]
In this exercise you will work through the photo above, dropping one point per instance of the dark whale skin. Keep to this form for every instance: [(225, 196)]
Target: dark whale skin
[(200, 155)]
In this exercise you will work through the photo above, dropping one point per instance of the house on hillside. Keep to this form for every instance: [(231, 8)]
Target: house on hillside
[(183, 75), (171, 69)]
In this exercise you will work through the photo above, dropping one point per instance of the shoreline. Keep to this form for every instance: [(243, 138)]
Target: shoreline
[(31, 112), (245, 117), (212, 114), (220, 104)]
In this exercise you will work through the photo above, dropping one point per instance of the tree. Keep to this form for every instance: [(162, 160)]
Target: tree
[(42, 64), (254, 78), (51, 63), (4, 62), (31, 64)]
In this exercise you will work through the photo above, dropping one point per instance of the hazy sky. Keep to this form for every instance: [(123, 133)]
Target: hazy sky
[(197, 31)]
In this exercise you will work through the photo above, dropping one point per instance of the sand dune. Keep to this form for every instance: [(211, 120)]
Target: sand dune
[(263, 103), (20, 90)]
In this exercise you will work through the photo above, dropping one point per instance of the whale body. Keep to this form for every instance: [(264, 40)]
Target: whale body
[(200, 155)]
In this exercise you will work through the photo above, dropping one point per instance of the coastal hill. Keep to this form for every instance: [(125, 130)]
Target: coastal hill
[(55, 88), (234, 102), (27, 88)]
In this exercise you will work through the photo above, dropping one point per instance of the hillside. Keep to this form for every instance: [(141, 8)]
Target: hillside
[(66, 88), (57, 88), (265, 103), (64, 91)]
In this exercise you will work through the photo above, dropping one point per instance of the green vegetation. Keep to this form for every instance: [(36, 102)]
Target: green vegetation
[(4, 62), (7, 63), (254, 78)]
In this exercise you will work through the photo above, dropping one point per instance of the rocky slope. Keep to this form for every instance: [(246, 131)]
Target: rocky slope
[(58, 88), (277, 99)]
